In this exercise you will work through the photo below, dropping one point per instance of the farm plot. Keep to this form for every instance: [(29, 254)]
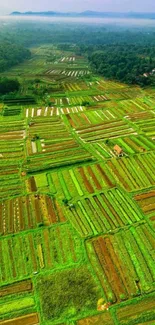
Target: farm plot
[(147, 127), (30, 319), (16, 288), (11, 111), (124, 262), (76, 86), (134, 173), (128, 109), (52, 111), (69, 100), (146, 201), (16, 306), (104, 318), (73, 59), (141, 311), (12, 143), (146, 101), (28, 212), (103, 212), (16, 299), (141, 116), (69, 110), (76, 182), (23, 255), (133, 144), (132, 107), (106, 84), (12, 137), (66, 72), (50, 144), (101, 150), (86, 118), (10, 181), (68, 59), (9, 101), (111, 129), (41, 111)]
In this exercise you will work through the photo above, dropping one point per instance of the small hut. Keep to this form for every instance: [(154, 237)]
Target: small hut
[(118, 151)]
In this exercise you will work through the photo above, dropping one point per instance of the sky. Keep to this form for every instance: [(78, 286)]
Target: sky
[(8, 6)]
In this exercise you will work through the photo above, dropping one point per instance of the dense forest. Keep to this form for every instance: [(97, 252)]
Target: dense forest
[(126, 63), (8, 85), (123, 53), (12, 54), (33, 32)]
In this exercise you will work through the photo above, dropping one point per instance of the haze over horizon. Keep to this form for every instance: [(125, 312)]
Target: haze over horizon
[(79, 5)]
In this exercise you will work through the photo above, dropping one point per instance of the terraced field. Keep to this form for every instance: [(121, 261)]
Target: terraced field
[(77, 198)]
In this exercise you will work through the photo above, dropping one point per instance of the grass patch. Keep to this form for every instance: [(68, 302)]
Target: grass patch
[(16, 305), (68, 293)]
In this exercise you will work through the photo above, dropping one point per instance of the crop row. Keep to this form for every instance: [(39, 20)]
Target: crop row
[(146, 201), (23, 255), (51, 111), (134, 173), (103, 212), (28, 212), (11, 111), (129, 145), (135, 144), (75, 86), (89, 117), (79, 181), (16, 288), (30, 319), (78, 100), (140, 311), (124, 262), (147, 126), (50, 144), (68, 72), (112, 129), (10, 180), (140, 116)]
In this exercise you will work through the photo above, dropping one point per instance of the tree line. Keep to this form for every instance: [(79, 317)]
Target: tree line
[(12, 54), (131, 64)]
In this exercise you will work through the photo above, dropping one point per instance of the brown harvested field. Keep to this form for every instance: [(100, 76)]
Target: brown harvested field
[(27, 212), (85, 180), (137, 311), (91, 173), (146, 201), (104, 176), (31, 319), (16, 288), (116, 172), (121, 276), (102, 319)]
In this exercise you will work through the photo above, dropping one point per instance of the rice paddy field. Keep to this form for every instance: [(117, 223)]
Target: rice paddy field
[(77, 197)]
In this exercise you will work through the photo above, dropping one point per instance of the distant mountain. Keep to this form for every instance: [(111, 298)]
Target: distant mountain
[(88, 13)]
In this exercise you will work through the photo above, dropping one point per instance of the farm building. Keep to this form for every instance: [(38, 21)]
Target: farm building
[(118, 151)]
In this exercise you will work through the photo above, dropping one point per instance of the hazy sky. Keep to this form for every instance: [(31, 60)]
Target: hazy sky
[(77, 5)]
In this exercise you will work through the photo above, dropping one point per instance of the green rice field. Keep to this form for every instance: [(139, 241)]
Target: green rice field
[(77, 196)]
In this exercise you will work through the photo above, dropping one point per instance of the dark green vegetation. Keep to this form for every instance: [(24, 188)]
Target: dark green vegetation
[(76, 294), (8, 85), (130, 64), (11, 54), (77, 183)]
